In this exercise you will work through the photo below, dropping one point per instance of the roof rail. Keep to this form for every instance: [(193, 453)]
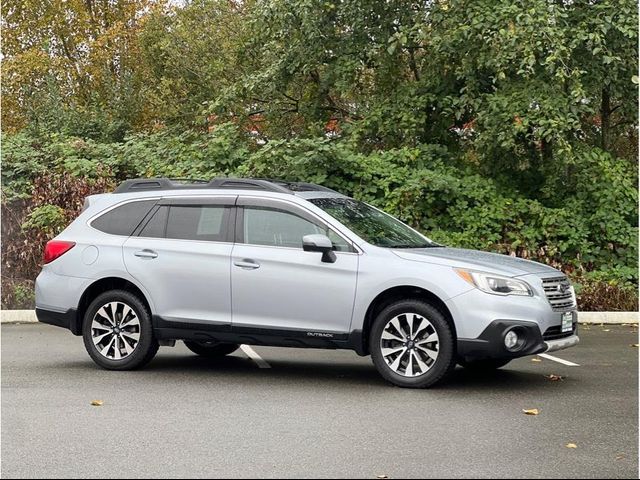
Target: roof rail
[(147, 184)]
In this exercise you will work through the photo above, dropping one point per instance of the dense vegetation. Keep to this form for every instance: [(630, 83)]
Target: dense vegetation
[(505, 126)]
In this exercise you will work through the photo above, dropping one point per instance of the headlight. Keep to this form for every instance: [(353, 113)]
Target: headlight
[(496, 284)]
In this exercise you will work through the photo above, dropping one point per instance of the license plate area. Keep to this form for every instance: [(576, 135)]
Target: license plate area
[(567, 322)]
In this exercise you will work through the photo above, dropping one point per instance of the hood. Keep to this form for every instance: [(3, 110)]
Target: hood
[(475, 260)]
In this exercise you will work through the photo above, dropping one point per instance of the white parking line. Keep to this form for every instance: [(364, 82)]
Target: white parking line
[(251, 353), (559, 360)]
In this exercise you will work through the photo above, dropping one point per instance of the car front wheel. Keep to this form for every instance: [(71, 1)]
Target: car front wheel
[(412, 344)]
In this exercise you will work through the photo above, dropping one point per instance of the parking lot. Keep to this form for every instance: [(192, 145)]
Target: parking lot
[(314, 413)]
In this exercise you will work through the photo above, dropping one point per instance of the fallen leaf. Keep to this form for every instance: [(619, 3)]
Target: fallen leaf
[(555, 378), (571, 445), (530, 411), (620, 456), (537, 360), (96, 403), (606, 330)]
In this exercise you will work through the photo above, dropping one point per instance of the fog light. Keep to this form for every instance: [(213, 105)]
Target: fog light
[(511, 340)]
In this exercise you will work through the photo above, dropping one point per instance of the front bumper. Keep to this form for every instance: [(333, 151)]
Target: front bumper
[(490, 344)]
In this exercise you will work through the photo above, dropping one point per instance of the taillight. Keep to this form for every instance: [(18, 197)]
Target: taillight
[(55, 249)]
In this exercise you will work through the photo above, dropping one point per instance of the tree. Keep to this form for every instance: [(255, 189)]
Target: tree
[(73, 65)]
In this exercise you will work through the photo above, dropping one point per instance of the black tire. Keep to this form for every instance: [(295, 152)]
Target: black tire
[(147, 345), (446, 358), (211, 349), (484, 365)]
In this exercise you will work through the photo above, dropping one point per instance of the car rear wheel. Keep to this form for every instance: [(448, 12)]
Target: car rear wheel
[(211, 349), (484, 365), (412, 344), (117, 331)]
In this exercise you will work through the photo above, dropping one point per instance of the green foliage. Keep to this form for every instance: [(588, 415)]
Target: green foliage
[(24, 295), (49, 219), (22, 160), (184, 155), (593, 229), (592, 225), (19, 295)]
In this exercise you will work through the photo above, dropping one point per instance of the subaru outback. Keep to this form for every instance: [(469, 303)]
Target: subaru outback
[(226, 262)]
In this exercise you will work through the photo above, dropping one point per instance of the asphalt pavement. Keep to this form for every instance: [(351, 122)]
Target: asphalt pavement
[(314, 413)]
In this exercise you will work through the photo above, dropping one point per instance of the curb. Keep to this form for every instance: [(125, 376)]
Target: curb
[(608, 317), (18, 316), (611, 318)]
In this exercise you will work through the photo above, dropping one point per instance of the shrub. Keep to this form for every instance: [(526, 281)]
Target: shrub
[(27, 225), (597, 295), (587, 227)]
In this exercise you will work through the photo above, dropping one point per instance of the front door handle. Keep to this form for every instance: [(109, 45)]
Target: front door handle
[(146, 253), (247, 264)]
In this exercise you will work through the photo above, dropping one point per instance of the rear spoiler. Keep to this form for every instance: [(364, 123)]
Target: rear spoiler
[(91, 199)]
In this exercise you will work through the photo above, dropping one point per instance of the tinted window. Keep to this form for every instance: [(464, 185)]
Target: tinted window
[(124, 219), (156, 225), (202, 222)]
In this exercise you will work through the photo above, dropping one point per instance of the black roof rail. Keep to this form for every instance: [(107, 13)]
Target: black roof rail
[(147, 184)]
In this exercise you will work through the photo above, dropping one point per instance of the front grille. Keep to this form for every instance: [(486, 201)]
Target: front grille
[(554, 333), (559, 293)]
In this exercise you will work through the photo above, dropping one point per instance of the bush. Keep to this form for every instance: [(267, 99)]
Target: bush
[(460, 208), (598, 295), (27, 225), (588, 228)]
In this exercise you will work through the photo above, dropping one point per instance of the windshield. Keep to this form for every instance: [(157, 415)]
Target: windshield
[(371, 224)]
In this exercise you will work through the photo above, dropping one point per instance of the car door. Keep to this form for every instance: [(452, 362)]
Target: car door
[(276, 285), (182, 254)]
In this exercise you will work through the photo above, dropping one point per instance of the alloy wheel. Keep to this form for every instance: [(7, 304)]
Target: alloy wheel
[(409, 344), (115, 330)]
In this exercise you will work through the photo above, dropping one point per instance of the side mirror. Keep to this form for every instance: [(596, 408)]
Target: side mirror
[(319, 243)]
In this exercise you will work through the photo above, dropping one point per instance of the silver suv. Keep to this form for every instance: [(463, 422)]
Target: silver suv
[(250, 261)]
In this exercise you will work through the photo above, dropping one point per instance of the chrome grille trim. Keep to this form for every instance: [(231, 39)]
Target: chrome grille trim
[(559, 293)]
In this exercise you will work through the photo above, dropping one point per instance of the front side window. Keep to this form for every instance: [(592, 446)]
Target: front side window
[(279, 228), (198, 222), (373, 225), (124, 219)]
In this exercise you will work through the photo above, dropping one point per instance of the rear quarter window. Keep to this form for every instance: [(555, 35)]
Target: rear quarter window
[(124, 219)]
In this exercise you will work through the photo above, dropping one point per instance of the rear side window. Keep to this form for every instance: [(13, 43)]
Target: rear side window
[(124, 219), (198, 222)]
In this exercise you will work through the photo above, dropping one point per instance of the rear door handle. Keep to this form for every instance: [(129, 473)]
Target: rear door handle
[(247, 264), (146, 253)]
